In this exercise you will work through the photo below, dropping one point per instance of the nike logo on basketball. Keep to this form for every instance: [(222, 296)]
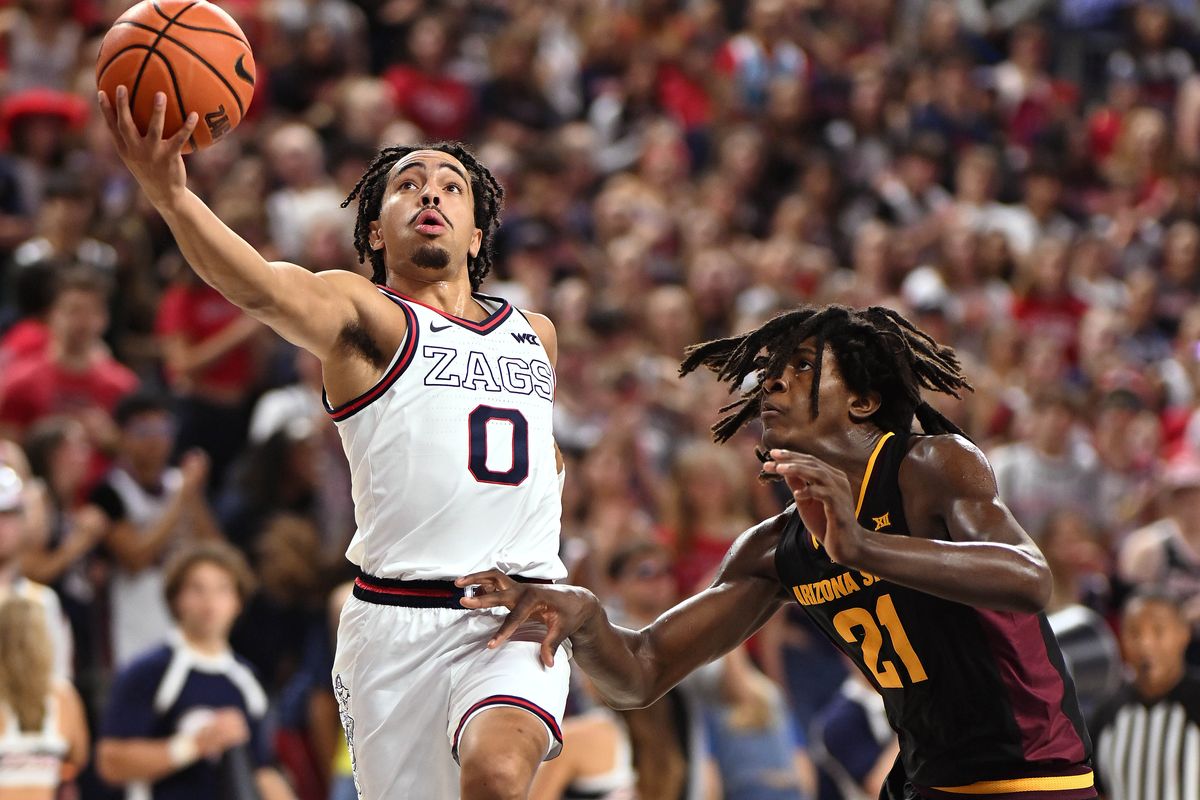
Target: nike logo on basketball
[(436, 328), (527, 338), (239, 69)]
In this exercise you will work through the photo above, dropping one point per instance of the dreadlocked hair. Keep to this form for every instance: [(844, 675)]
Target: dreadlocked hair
[(487, 191), (877, 350)]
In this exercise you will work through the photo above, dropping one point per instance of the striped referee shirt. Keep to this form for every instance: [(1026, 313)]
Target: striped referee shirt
[(1149, 750)]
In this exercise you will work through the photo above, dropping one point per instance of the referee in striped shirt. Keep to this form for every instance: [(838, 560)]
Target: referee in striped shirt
[(1147, 735)]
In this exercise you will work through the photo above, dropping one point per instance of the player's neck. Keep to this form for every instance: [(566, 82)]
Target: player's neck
[(452, 296), (72, 359), (850, 452), (212, 646)]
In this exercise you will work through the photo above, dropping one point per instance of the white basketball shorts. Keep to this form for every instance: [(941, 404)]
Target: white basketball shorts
[(409, 680)]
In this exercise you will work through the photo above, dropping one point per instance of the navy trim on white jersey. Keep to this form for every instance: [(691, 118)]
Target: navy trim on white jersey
[(503, 311), (404, 357)]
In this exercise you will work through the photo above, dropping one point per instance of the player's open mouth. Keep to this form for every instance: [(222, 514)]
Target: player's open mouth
[(430, 222)]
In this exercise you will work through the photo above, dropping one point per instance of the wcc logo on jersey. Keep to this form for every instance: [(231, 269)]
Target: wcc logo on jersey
[(525, 338)]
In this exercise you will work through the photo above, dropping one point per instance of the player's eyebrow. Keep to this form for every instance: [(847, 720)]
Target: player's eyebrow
[(423, 166)]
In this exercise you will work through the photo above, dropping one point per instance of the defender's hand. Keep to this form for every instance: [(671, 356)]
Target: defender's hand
[(156, 163), (562, 609), (824, 501)]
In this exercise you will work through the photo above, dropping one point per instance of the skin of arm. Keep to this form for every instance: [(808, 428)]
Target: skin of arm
[(632, 669), (873, 780), (183, 358), (137, 549), (271, 784), (73, 724), (121, 760), (310, 310), (124, 760), (965, 545), (46, 566)]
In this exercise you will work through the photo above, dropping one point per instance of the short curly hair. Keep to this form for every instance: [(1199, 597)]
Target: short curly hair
[(487, 191)]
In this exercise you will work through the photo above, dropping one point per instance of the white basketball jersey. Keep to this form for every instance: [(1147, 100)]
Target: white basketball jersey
[(452, 452)]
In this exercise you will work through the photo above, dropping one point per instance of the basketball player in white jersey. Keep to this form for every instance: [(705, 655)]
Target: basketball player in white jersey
[(443, 400)]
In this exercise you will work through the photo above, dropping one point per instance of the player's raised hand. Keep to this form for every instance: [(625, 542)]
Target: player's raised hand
[(562, 609), (824, 500), (155, 162)]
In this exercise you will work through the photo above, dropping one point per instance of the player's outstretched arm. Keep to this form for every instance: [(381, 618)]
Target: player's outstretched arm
[(308, 309), (632, 669), (965, 544)]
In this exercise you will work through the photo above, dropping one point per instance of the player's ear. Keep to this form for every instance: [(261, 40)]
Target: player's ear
[(375, 236), (476, 243), (862, 406)]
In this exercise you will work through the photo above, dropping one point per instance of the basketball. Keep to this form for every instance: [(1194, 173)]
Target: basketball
[(192, 51)]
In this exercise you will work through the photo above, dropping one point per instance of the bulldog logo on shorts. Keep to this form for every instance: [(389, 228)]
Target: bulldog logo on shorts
[(343, 700)]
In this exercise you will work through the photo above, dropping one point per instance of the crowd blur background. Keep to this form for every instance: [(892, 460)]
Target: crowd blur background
[(1020, 177)]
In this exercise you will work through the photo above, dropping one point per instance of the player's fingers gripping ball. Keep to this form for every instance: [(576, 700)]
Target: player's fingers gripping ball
[(190, 50)]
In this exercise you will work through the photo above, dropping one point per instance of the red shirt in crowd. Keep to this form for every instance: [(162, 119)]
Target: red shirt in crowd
[(439, 105), (26, 339), (38, 387), (197, 312), (1055, 317)]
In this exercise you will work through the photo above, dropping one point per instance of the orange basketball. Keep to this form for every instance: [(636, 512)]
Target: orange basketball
[(190, 50)]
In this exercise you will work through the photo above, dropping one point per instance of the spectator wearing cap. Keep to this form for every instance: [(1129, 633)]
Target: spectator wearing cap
[(185, 719), (35, 137), (1147, 735), (1166, 553), (1045, 470), (14, 539), (151, 508)]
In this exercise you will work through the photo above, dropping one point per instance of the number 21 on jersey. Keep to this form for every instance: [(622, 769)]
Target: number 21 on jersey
[(847, 623)]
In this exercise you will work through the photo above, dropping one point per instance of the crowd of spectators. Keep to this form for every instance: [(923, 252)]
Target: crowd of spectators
[(1019, 177)]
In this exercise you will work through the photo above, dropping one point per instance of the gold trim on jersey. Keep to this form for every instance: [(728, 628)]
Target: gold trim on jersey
[(862, 490), (1053, 784)]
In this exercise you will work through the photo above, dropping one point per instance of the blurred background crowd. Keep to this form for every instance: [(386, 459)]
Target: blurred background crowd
[(1020, 177)]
